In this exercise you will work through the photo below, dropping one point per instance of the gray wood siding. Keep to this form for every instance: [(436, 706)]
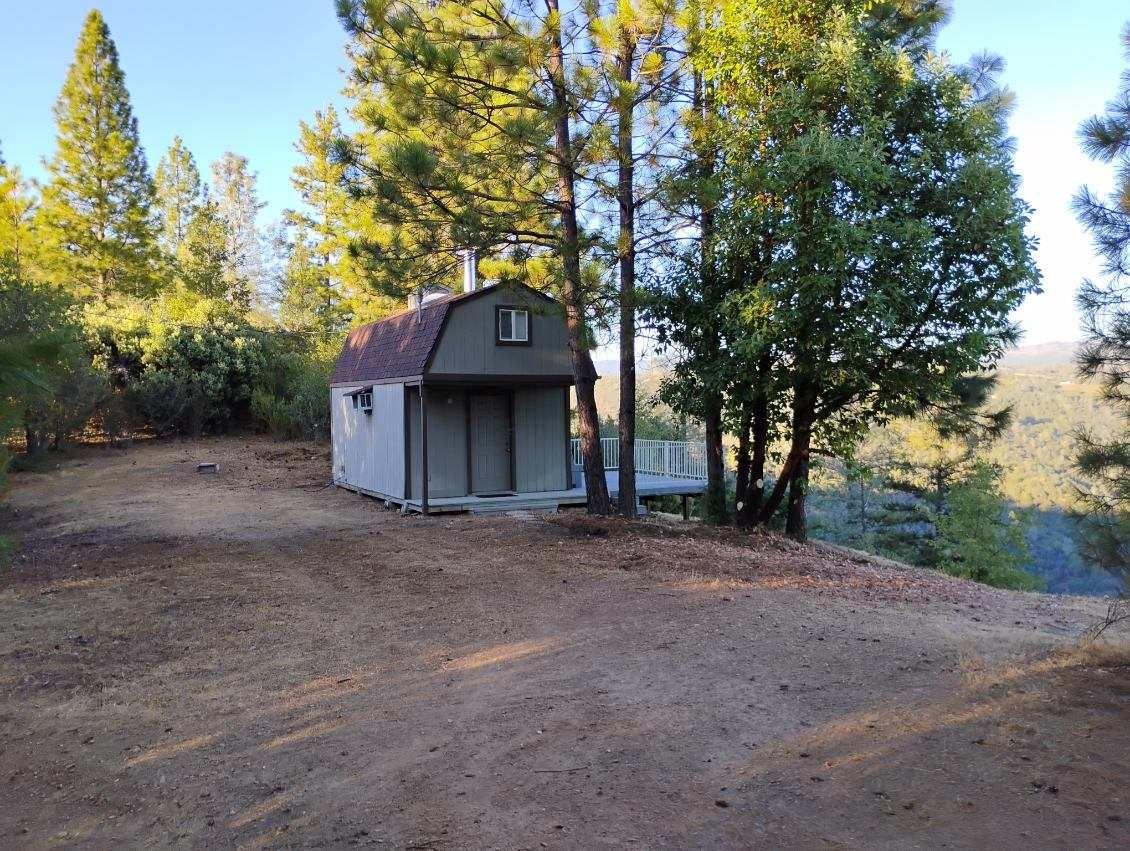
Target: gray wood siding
[(468, 341), (447, 442), (368, 449), (540, 439)]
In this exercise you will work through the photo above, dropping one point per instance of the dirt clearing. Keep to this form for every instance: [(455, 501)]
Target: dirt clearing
[(251, 658)]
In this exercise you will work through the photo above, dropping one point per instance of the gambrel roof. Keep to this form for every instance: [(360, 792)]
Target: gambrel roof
[(400, 346)]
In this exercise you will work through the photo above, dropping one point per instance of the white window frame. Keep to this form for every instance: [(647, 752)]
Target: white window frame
[(363, 400), (514, 313)]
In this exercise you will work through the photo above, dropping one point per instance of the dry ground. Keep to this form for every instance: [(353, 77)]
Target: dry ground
[(252, 658)]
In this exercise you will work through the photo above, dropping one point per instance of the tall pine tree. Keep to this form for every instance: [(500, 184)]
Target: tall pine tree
[(475, 133), (1105, 354), (179, 193), (640, 88), (98, 204), (319, 267), (236, 197), (17, 210)]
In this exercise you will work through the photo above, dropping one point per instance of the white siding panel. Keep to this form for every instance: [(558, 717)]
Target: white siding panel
[(370, 447)]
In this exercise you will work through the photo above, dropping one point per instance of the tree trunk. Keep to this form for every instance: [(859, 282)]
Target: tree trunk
[(755, 491), (741, 478), (35, 442), (714, 501), (625, 192), (584, 374), (804, 406), (796, 522)]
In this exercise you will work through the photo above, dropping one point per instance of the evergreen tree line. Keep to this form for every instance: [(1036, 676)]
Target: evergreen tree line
[(137, 300)]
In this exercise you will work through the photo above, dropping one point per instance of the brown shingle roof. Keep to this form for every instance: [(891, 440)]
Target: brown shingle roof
[(396, 347)]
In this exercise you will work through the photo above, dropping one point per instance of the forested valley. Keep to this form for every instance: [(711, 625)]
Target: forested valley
[(1050, 404)]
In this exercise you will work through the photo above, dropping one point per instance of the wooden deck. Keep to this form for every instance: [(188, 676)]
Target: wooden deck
[(647, 485)]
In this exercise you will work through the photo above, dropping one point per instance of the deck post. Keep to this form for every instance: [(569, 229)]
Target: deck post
[(423, 452), (568, 442), (686, 507)]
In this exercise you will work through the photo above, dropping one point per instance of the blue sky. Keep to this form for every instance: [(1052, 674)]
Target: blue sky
[(240, 75)]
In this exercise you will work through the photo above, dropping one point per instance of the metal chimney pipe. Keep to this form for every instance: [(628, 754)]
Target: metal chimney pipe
[(470, 271)]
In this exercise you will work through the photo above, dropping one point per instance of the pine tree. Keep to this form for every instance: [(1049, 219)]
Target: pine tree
[(979, 537), (98, 204), (1105, 354), (320, 272), (237, 203), (475, 132), (204, 261), (179, 193), (634, 38), (17, 212)]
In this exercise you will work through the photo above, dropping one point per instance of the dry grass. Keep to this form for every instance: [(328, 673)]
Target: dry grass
[(249, 659)]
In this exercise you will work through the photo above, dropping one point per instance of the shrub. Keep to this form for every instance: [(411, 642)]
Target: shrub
[(79, 394), (298, 403), (169, 403), (308, 398), (198, 379), (69, 390), (271, 414)]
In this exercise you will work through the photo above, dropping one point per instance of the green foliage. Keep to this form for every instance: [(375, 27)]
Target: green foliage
[(978, 539), (169, 404), (36, 348), (870, 244), (69, 390), (324, 283), (18, 243), (198, 379), (313, 300), (271, 413), (1105, 355), (204, 260), (178, 192), (456, 141), (80, 393), (98, 205), (297, 405), (308, 398)]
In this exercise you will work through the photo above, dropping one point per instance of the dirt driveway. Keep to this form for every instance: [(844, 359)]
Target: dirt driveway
[(251, 658)]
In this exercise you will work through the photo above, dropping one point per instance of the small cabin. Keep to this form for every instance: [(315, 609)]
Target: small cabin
[(460, 401)]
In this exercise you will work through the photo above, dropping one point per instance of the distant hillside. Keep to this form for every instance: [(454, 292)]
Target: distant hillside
[(1040, 354), (1049, 404)]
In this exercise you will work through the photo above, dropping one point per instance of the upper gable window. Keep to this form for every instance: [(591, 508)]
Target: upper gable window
[(513, 326)]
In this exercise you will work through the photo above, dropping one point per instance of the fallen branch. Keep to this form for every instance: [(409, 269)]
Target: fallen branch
[(1117, 612)]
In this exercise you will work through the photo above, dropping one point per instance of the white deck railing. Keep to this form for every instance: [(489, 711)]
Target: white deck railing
[(680, 459)]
